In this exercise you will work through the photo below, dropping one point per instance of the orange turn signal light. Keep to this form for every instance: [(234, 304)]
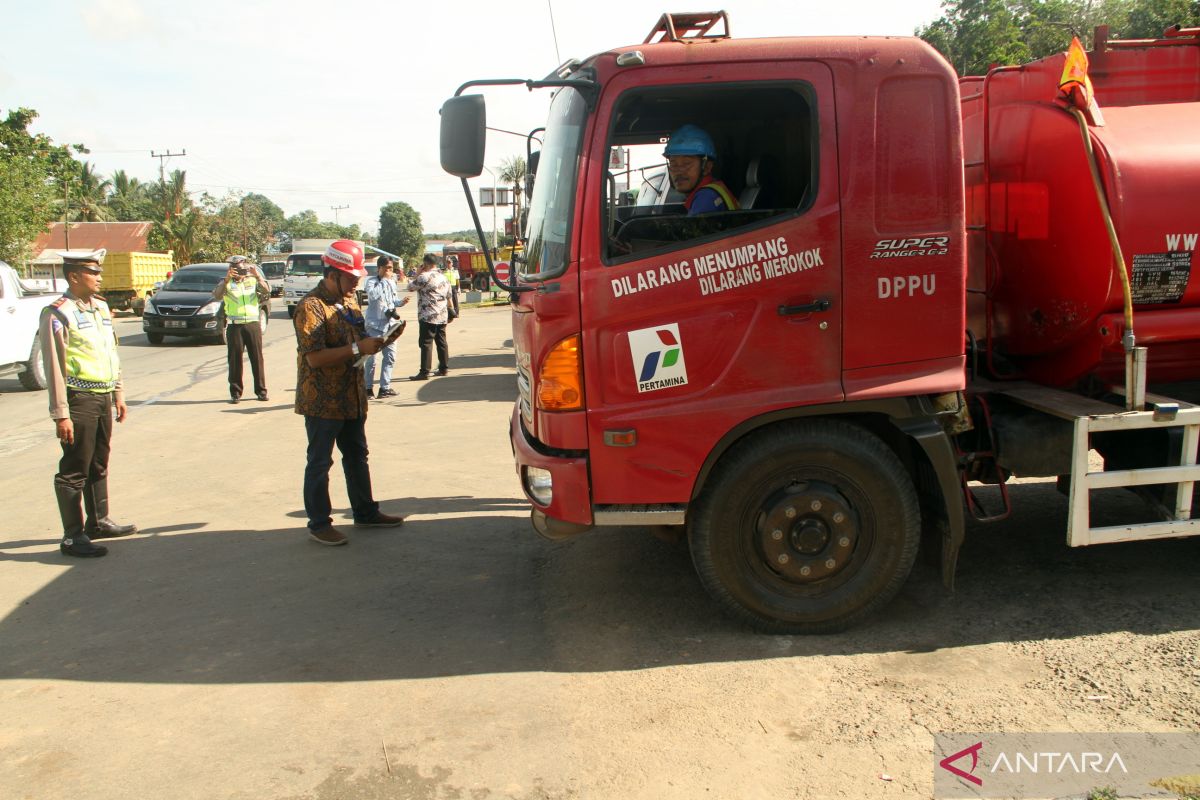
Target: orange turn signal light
[(560, 380)]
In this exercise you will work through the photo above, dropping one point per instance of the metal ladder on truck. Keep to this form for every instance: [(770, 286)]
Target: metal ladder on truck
[(1094, 416)]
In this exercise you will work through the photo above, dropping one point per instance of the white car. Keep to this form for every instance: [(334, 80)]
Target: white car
[(20, 340)]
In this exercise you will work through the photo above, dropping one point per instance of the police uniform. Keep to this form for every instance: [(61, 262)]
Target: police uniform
[(83, 374), (242, 332)]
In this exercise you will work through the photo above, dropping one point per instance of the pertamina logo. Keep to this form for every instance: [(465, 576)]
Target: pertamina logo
[(658, 358)]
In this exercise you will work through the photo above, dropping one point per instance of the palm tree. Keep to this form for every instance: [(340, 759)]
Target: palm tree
[(181, 232), (171, 196), (512, 171), (128, 197), (85, 194)]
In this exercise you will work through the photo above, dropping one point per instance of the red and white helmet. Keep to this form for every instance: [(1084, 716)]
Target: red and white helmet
[(346, 256)]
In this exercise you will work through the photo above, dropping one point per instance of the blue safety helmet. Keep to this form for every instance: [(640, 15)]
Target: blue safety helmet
[(690, 140)]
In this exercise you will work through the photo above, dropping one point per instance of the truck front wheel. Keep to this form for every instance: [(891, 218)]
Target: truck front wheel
[(33, 377), (806, 527)]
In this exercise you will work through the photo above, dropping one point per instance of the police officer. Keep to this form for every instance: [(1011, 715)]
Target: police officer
[(242, 293), (83, 376)]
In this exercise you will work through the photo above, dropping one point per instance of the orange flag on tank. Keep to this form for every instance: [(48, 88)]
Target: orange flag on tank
[(1075, 84)]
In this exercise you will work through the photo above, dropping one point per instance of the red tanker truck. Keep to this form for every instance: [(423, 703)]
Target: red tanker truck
[(930, 284)]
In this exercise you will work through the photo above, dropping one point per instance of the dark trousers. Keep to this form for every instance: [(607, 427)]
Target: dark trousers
[(350, 435), (83, 469), (430, 334), (248, 337)]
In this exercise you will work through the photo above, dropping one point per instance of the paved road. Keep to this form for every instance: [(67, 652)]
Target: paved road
[(220, 654)]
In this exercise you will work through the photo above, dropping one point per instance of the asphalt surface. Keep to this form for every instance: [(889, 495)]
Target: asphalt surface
[(220, 654)]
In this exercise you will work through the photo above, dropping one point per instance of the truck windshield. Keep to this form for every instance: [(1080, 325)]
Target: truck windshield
[(305, 264), (549, 227)]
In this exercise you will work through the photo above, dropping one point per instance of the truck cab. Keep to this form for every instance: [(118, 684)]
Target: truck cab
[(785, 378)]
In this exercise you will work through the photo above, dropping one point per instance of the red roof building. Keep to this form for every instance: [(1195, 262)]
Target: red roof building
[(116, 237)]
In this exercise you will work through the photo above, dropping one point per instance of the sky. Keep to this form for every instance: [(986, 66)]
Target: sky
[(321, 105)]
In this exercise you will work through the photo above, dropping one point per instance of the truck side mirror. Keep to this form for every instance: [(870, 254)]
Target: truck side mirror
[(462, 136), (531, 173)]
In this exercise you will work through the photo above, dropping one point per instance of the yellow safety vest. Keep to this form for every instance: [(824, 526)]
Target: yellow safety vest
[(241, 301), (92, 363)]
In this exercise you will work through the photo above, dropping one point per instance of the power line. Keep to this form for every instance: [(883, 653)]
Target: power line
[(323, 191), (554, 30)]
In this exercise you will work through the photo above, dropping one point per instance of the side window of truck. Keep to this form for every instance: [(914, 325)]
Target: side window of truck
[(764, 136)]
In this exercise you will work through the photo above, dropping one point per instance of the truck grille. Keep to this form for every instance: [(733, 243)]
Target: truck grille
[(177, 311), (525, 394)]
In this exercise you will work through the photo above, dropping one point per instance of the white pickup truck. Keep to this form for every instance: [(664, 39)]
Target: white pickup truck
[(21, 305)]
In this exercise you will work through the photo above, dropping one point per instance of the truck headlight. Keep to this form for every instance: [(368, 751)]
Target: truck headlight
[(540, 485), (149, 309), (209, 308)]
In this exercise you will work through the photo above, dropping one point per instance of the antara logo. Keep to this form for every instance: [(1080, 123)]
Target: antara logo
[(948, 764), (658, 361)]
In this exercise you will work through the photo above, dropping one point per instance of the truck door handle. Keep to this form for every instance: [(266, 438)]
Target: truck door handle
[(816, 306)]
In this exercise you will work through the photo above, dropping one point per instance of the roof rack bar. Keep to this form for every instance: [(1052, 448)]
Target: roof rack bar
[(693, 25)]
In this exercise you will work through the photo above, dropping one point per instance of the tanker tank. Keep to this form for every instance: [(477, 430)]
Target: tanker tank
[(1044, 300)]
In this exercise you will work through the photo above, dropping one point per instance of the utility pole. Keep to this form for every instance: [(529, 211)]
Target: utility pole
[(162, 157), (336, 216), (162, 181)]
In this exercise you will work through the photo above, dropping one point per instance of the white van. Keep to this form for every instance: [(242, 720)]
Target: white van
[(303, 273)]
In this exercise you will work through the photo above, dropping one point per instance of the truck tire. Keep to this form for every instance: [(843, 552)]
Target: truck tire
[(291, 311), (154, 338), (33, 377), (806, 527)]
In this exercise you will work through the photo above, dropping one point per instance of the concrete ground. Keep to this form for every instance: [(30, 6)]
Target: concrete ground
[(220, 654)]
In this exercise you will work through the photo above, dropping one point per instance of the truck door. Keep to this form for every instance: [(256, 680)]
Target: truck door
[(695, 324)]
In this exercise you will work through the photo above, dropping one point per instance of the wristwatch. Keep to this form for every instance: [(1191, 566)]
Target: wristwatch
[(354, 348)]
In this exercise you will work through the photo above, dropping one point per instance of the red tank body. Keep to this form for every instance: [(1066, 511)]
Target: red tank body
[(1042, 292)]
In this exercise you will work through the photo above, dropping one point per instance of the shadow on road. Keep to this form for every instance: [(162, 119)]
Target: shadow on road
[(463, 595), (502, 359), (466, 388)]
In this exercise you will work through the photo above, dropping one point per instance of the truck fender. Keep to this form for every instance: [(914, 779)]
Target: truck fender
[(934, 466)]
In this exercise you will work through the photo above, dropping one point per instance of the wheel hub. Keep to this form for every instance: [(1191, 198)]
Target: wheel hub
[(807, 532)]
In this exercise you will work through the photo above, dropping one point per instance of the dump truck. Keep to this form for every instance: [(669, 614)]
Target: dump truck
[(930, 285), (129, 278)]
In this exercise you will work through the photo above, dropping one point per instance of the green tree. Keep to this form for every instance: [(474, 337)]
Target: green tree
[(400, 232), (512, 172), (305, 225), (129, 200), (1149, 18), (974, 34), (265, 209), (31, 169), (86, 197), (178, 223)]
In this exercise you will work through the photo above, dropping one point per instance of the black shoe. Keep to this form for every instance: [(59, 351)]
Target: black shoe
[(443, 372), (263, 397), (389, 392), (420, 376), (107, 529), (81, 547), (235, 399)]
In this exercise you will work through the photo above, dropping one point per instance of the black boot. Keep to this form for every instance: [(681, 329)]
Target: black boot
[(75, 542), (99, 526)]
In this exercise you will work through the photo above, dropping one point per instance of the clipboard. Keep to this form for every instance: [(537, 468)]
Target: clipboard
[(390, 334)]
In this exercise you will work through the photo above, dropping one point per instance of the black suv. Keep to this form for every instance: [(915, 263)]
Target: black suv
[(184, 306)]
